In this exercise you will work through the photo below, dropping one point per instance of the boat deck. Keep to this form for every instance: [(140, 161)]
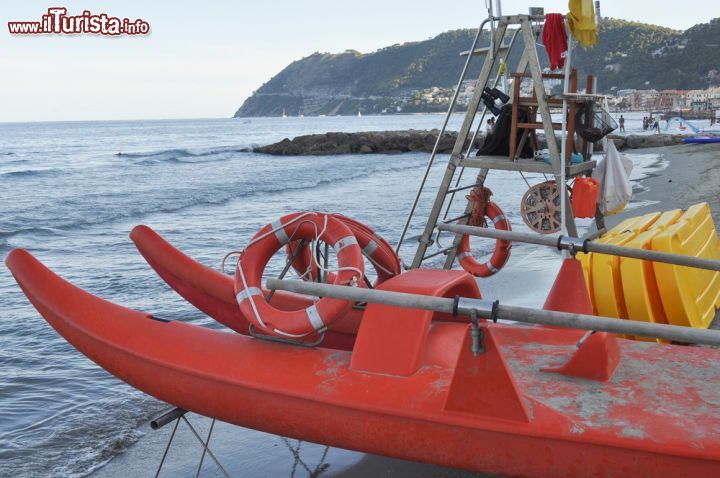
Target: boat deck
[(656, 394)]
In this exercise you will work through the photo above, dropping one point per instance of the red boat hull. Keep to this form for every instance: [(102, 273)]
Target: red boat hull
[(212, 291), (495, 413)]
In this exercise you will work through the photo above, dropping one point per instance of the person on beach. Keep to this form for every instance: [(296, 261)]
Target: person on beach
[(622, 124)]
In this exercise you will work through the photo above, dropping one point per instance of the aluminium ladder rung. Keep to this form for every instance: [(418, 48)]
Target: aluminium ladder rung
[(463, 188), (448, 221), (444, 250), (524, 165), (484, 50)]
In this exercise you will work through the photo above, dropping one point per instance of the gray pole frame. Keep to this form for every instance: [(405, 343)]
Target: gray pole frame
[(488, 309)]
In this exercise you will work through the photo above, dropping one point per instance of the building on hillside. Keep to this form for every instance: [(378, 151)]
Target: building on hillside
[(626, 92), (697, 100), (714, 98), (672, 100), (644, 100)]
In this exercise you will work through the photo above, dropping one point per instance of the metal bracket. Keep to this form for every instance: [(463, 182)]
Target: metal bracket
[(572, 244), (476, 334), (484, 308), (427, 240)]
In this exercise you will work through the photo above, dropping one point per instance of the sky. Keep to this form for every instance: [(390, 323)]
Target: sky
[(202, 59)]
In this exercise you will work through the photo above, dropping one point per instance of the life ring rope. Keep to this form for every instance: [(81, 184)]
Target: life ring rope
[(502, 247), (374, 248), (315, 318)]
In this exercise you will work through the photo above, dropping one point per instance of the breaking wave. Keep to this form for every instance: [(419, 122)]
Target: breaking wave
[(182, 155)]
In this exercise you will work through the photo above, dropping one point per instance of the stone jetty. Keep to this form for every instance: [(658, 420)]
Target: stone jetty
[(405, 141)]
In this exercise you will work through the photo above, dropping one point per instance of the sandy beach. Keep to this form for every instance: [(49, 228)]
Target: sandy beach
[(691, 175)]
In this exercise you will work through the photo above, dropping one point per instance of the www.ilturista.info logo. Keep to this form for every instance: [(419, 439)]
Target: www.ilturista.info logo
[(57, 21)]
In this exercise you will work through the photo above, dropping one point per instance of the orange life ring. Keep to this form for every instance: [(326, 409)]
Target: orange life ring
[(272, 238), (502, 247), (376, 249)]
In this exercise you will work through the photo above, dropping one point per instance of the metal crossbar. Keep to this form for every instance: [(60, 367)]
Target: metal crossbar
[(176, 415)]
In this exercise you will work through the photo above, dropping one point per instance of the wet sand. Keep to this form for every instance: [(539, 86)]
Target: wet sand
[(692, 175)]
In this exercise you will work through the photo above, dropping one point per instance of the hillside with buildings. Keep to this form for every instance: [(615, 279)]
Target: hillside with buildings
[(647, 66)]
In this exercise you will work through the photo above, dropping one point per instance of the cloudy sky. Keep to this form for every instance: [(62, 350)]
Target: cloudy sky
[(202, 59)]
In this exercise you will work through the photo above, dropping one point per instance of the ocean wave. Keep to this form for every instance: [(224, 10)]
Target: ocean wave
[(45, 231), (182, 155), (215, 197), (22, 173), (82, 439)]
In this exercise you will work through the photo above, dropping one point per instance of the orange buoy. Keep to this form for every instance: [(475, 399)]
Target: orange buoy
[(502, 247), (273, 237), (376, 249)]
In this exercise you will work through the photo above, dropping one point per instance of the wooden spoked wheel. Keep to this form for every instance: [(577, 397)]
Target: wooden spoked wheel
[(540, 208)]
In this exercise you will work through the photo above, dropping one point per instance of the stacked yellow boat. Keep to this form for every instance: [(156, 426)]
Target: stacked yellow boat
[(655, 292)]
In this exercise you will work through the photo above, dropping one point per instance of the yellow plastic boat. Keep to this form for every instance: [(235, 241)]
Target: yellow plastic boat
[(655, 292), (640, 291), (602, 272), (689, 296)]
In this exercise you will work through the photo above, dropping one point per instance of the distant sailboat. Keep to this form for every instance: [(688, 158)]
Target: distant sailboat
[(359, 114), (284, 115)]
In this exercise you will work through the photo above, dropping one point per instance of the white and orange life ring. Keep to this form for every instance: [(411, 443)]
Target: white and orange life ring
[(273, 237), (376, 249), (502, 247)]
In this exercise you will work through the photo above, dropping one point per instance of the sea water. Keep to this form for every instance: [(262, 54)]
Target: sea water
[(71, 192)]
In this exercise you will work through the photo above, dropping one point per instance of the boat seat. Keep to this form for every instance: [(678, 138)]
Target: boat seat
[(391, 339)]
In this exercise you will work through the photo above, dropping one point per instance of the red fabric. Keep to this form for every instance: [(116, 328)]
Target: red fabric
[(555, 39)]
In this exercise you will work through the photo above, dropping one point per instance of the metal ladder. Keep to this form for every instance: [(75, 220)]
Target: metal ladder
[(459, 158)]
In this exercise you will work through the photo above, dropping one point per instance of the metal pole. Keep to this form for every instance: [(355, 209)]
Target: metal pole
[(491, 51), (289, 262), (167, 417), (567, 243), (440, 134), (205, 447), (167, 447), (488, 309), (563, 139)]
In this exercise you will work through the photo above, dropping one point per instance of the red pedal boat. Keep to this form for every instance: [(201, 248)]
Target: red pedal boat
[(411, 387)]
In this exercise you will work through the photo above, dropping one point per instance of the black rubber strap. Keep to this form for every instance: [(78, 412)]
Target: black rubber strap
[(494, 312), (585, 244), (456, 302)]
